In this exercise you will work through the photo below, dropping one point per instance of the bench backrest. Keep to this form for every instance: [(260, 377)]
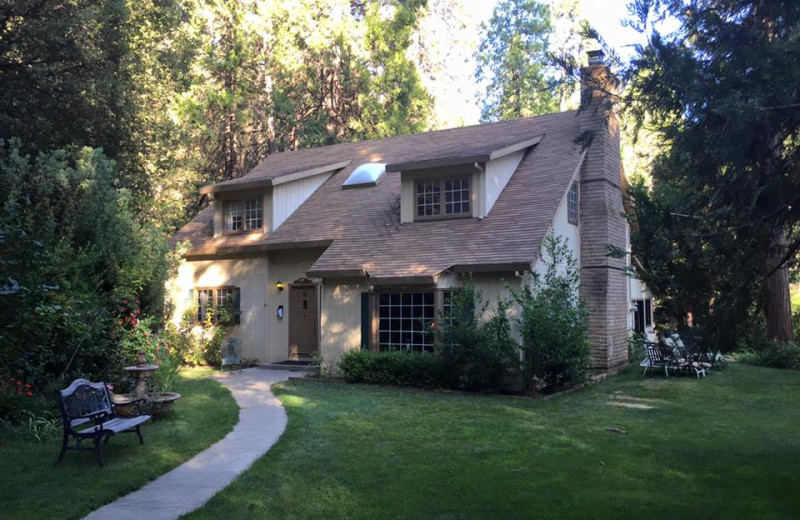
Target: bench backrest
[(83, 398)]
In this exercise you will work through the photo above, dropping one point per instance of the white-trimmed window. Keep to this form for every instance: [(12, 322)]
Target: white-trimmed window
[(443, 198), (243, 215), (573, 201), (404, 321)]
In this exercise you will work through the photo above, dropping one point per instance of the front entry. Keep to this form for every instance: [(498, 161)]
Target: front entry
[(303, 330)]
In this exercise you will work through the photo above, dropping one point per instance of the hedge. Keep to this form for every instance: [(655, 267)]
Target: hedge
[(392, 368)]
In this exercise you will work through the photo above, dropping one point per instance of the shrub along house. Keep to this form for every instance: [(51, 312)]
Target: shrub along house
[(356, 245)]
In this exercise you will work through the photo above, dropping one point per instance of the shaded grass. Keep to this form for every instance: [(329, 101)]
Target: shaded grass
[(727, 446), (33, 487)]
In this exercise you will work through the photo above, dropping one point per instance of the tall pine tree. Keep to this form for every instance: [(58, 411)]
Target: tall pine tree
[(513, 61)]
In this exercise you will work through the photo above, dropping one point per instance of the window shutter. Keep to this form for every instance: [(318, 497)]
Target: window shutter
[(365, 321), (237, 306)]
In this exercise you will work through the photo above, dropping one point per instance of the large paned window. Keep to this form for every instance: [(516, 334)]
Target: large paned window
[(443, 198), (405, 320), (573, 200), (243, 215), (221, 303)]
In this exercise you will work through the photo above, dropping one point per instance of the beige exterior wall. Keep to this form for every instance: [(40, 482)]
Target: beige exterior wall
[(247, 273), (263, 335), (340, 318), (286, 267)]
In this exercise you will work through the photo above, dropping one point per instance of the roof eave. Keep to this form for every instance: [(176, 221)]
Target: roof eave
[(273, 181), (454, 160)]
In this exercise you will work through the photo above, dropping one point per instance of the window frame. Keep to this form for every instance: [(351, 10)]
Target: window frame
[(441, 183), (378, 346), (577, 201), (243, 210), (214, 297)]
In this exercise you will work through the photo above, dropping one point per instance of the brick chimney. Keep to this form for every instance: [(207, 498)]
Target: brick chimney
[(604, 285)]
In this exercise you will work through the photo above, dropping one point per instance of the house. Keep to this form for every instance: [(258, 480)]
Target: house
[(356, 245)]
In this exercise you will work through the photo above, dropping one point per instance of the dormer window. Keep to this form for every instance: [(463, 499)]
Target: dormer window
[(243, 215), (443, 198)]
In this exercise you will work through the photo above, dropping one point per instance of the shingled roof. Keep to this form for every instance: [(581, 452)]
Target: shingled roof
[(361, 228)]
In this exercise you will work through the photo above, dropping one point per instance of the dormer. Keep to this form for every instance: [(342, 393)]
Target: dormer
[(259, 204), (440, 188)]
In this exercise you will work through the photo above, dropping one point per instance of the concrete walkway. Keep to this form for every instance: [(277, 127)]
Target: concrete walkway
[(262, 420)]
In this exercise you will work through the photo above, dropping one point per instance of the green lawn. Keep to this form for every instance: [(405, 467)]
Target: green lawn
[(33, 487), (727, 446)]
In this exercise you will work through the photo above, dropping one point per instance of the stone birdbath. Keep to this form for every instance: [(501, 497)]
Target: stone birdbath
[(154, 404)]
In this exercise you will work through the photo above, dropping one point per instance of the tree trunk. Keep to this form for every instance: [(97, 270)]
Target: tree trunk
[(778, 312)]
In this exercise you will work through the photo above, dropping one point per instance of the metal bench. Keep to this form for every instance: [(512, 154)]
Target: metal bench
[(88, 413)]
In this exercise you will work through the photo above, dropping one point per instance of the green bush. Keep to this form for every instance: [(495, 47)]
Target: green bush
[(72, 250), (392, 368), (475, 355), (775, 354), (554, 320), (780, 354)]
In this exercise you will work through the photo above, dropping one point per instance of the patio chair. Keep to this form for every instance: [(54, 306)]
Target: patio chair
[(685, 358), (231, 354), (657, 360)]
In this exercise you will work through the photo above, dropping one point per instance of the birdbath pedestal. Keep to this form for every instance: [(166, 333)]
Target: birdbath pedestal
[(141, 372)]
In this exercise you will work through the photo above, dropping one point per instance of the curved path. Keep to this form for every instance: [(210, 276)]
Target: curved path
[(262, 420)]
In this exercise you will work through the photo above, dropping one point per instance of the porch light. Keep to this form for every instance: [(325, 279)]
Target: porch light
[(280, 286)]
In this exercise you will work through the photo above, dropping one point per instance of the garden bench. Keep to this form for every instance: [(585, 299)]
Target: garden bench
[(88, 413)]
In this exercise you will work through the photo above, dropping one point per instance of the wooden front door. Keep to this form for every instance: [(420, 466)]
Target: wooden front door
[(303, 336)]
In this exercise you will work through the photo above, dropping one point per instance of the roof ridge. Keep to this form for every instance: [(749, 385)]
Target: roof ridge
[(407, 136)]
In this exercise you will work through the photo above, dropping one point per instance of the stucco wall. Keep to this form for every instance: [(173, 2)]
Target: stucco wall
[(263, 335), (248, 274), (340, 318), (286, 267)]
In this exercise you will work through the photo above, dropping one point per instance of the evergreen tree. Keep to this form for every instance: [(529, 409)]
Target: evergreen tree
[(725, 91), (513, 61)]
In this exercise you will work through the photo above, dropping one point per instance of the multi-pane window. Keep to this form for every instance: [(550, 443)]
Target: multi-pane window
[(572, 203), (429, 200), (253, 214), (455, 202), (221, 304), (243, 215), (456, 196), (405, 320), (205, 300)]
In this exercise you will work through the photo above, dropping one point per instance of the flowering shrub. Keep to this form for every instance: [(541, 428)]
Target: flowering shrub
[(16, 395)]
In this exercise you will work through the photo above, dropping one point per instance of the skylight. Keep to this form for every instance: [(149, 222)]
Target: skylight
[(365, 175)]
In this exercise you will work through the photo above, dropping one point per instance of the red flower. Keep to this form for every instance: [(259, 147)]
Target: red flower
[(27, 385), (29, 394)]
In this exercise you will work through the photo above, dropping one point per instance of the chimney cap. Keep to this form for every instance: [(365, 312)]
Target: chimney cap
[(596, 57)]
